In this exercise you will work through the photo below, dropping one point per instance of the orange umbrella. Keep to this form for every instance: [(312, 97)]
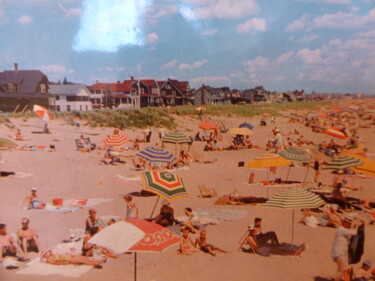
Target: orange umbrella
[(335, 132), (42, 112), (208, 125)]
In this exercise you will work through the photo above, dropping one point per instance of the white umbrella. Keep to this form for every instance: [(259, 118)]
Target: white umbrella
[(118, 237)]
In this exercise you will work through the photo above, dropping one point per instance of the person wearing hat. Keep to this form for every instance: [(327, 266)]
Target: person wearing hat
[(363, 273), (340, 247), (166, 215), (32, 201)]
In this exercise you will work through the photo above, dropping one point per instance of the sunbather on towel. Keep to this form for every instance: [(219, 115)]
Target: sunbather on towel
[(88, 248), (236, 199), (51, 257), (32, 201), (192, 223)]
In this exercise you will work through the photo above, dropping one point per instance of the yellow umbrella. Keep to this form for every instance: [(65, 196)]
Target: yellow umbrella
[(267, 161), (240, 131), (368, 166)]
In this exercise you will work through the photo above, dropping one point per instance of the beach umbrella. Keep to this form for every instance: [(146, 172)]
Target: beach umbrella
[(240, 131), (293, 154), (294, 198), (368, 166), (7, 144), (156, 239), (354, 150), (246, 125), (266, 115), (154, 154), (322, 115), (208, 125), (336, 108), (343, 162), (116, 140), (42, 112), (164, 184), (118, 237), (176, 137), (335, 132)]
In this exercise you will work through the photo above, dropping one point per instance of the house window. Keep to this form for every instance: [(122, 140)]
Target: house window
[(43, 88), (58, 107), (168, 86), (163, 93), (57, 97), (173, 92), (68, 108), (80, 107), (11, 88), (87, 107)]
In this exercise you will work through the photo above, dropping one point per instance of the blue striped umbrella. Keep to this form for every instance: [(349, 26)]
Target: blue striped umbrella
[(154, 154), (294, 198)]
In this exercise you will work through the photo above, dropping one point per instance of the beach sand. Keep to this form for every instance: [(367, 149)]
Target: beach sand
[(68, 173)]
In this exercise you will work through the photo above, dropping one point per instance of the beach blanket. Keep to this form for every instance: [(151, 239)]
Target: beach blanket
[(222, 214), (202, 220), (72, 205)]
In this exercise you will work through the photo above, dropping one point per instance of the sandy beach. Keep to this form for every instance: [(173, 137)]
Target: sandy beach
[(70, 174)]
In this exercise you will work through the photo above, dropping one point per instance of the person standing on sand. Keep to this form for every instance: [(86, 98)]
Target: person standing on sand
[(340, 247), (131, 208)]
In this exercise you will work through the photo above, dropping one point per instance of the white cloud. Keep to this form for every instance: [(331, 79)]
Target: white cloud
[(70, 11), (253, 25), (196, 64), (209, 32), (327, 1), (257, 62), (285, 57), (210, 79), (370, 33), (25, 20), (3, 17), (307, 38), (159, 11), (172, 64), (310, 56), (339, 20), (56, 69), (152, 38), (221, 9), (300, 24)]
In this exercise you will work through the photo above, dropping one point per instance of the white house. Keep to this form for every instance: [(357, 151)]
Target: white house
[(71, 97)]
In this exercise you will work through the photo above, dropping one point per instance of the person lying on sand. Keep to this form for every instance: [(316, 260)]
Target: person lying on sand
[(201, 241), (88, 248), (52, 257), (192, 223), (308, 219), (330, 216), (236, 199)]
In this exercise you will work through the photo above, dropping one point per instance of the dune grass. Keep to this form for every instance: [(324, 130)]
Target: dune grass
[(163, 117)]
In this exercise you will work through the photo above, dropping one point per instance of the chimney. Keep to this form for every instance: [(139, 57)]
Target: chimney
[(132, 78), (15, 66), (118, 82)]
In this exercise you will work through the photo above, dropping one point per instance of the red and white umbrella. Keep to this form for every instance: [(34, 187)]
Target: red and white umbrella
[(335, 132), (42, 112), (156, 239), (201, 108), (116, 140), (208, 125)]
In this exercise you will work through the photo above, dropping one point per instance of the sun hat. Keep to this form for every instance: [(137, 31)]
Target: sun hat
[(34, 189), (164, 202)]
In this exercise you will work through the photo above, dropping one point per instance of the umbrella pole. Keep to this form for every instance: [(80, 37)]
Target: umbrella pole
[(287, 175), (293, 226), (304, 180), (154, 207), (135, 266)]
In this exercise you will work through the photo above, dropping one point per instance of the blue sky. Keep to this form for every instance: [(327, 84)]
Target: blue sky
[(316, 45)]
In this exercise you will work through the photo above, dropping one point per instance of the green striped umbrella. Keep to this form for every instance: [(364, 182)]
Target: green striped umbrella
[(293, 154), (175, 137), (295, 198), (342, 163)]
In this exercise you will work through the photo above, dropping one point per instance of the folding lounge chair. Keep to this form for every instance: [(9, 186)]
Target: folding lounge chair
[(207, 193)]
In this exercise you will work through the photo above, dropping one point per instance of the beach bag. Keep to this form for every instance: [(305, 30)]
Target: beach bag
[(241, 164), (57, 201)]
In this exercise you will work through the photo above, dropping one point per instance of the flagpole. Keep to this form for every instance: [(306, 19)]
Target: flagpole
[(135, 266), (154, 207)]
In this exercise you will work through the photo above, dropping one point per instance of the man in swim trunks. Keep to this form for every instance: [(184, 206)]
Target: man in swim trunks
[(28, 237)]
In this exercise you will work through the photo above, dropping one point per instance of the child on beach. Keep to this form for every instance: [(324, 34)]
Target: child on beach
[(207, 248), (131, 208), (186, 243)]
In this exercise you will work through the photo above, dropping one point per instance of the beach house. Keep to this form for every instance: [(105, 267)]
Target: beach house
[(71, 97)]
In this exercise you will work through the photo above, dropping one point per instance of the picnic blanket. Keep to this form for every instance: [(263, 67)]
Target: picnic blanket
[(222, 214)]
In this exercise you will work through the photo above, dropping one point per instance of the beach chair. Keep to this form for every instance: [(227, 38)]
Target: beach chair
[(81, 147), (207, 193)]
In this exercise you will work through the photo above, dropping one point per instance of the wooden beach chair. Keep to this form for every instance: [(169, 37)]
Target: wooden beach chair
[(207, 192)]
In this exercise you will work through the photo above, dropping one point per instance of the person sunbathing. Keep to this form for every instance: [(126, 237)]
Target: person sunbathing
[(187, 246), (308, 219), (19, 136), (52, 257), (88, 248), (204, 246), (8, 245), (28, 237), (267, 249), (32, 201), (236, 199), (192, 223), (330, 216)]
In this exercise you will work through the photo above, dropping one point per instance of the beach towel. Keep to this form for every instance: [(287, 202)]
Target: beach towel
[(72, 205), (222, 214), (202, 220), (127, 179)]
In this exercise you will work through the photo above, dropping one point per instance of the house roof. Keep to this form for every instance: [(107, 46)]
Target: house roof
[(113, 87), (65, 89), (24, 95), (27, 79)]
